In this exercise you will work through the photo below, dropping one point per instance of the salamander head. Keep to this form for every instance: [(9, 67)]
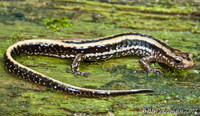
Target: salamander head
[(182, 60)]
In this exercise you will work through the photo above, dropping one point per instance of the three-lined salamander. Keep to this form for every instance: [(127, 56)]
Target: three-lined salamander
[(119, 45)]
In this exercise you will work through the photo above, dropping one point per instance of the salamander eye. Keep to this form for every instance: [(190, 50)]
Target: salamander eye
[(178, 60)]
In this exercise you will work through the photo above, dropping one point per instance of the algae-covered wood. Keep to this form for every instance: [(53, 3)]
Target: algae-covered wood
[(175, 22)]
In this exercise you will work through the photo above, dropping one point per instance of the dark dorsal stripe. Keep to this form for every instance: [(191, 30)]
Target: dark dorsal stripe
[(119, 35)]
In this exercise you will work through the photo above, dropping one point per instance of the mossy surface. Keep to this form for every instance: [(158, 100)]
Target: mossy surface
[(175, 22)]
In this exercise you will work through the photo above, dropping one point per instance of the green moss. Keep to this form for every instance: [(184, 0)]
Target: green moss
[(57, 23)]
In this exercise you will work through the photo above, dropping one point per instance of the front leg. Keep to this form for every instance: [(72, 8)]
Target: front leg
[(146, 67), (75, 65)]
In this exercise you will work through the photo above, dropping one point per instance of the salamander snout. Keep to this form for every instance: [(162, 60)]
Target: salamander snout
[(183, 61), (189, 63)]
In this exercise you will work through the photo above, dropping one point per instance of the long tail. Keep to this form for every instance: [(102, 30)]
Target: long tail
[(36, 77)]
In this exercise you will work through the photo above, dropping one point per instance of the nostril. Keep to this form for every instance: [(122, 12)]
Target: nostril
[(191, 55)]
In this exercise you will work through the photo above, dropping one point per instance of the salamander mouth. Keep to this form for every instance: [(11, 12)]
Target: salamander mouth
[(185, 66), (189, 66)]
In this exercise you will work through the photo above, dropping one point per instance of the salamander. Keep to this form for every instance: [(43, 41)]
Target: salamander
[(101, 49)]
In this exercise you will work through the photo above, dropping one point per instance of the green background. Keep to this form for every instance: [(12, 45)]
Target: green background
[(175, 22)]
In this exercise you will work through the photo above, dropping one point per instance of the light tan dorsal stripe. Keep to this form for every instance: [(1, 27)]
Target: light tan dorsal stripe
[(100, 43)]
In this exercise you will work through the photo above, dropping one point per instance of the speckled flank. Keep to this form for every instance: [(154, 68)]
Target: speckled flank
[(125, 44)]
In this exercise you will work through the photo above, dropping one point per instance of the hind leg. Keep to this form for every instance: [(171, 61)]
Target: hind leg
[(75, 65)]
